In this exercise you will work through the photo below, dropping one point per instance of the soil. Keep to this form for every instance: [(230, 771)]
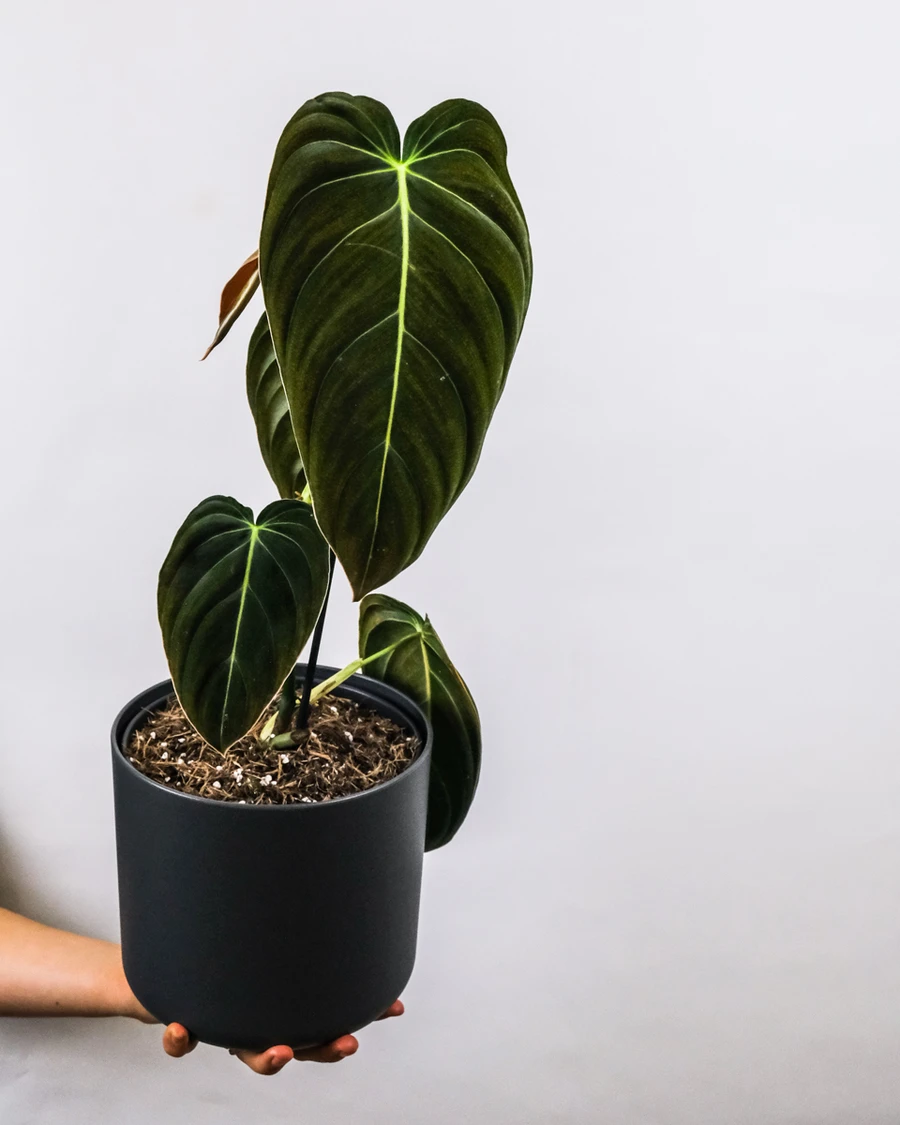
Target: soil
[(348, 748)]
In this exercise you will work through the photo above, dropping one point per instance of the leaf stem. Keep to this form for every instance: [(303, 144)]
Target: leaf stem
[(305, 700), (285, 741), (345, 673), (286, 703), (291, 738)]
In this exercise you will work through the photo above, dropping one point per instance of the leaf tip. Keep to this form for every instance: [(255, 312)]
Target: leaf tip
[(217, 339)]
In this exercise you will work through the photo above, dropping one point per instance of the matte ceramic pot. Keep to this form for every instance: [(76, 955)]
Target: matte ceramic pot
[(255, 925)]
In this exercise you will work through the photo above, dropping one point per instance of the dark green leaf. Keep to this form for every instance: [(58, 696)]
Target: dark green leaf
[(235, 298), (270, 412), (396, 284), (238, 598), (417, 663)]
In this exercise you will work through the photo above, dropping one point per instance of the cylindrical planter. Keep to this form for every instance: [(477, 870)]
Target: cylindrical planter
[(255, 925)]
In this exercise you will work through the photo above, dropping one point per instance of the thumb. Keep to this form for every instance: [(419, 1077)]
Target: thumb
[(178, 1041)]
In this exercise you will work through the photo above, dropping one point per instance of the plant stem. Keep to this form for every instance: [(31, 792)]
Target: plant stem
[(286, 703), (345, 673), (303, 713), (292, 738), (286, 741)]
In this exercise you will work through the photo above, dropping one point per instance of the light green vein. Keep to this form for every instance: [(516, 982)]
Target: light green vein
[(478, 211), (232, 659), (447, 152), (403, 205), (328, 254), (427, 664), (423, 144), (383, 151), (498, 182), (270, 530), (330, 183), (466, 257), (356, 148)]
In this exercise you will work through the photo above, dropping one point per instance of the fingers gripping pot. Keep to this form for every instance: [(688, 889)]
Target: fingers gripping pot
[(254, 925)]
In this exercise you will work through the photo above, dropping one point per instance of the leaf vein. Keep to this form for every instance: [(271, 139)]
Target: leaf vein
[(245, 585), (463, 254), (327, 255), (477, 210), (443, 133)]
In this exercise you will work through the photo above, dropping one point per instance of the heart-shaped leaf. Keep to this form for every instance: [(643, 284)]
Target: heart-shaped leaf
[(238, 599), (235, 298), (396, 283), (409, 656), (270, 412)]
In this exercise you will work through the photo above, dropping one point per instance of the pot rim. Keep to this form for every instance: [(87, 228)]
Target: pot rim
[(165, 688)]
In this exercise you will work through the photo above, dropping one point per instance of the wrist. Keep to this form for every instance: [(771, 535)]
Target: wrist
[(122, 1000)]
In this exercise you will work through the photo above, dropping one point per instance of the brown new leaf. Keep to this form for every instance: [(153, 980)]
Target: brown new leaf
[(235, 297)]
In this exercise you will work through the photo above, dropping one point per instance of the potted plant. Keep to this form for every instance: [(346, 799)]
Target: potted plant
[(271, 816)]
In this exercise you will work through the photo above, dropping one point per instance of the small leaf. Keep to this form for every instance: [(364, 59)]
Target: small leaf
[(268, 728), (235, 298), (417, 663), (238, 599), (396, 283), (270, 412)]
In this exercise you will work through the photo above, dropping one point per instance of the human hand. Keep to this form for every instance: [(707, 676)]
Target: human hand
[(177, 1041)]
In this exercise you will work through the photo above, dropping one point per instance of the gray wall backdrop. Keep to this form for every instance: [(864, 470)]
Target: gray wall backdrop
[(674, 583)]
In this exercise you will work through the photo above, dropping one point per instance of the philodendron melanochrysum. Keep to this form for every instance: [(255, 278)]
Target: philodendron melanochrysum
[(395, 278), (238, 598), (401, 648)]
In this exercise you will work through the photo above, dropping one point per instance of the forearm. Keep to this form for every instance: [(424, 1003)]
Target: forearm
[(47, 972)]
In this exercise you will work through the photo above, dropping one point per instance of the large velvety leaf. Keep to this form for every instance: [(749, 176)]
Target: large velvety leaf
[(396, 283), (414, 661), (270, 412), (235, 298), (238, 598)]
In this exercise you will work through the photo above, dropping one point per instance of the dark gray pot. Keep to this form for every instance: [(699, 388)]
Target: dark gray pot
[(255, 925)]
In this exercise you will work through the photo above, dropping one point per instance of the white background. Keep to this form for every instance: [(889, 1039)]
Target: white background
[(673, 584)]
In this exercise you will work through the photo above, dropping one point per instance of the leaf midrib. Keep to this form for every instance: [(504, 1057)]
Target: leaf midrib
[(232, 660), (403, 206)]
